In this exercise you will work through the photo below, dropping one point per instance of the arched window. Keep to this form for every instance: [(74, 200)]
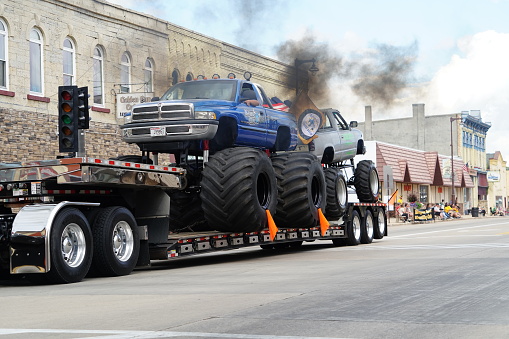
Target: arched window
[(149, 76), (125, 73), (174, 77), (36, 71), (98, 82), (3, 55), (68, 57)]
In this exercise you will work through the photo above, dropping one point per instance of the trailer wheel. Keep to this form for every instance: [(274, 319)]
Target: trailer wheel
[(337, 194), (367, 228), (116, 241), (301, 190), (238, 186), (186, 212), (366, 181), (380, 225), (70, 247), (353, 229)]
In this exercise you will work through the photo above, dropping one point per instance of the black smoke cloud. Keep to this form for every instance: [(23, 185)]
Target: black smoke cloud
[(384, 72), (377, 76)]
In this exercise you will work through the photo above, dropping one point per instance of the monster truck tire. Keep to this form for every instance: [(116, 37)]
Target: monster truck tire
[(337, 194), (366, 181), (301, 190), (238, 186), (186, 212)]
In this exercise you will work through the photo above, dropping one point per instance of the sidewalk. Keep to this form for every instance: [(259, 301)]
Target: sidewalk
[(394, 221)]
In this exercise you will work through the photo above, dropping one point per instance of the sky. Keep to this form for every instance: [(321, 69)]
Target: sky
[(450, 55)]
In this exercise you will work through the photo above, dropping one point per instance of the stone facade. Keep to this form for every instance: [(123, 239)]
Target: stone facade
[(28, 120)]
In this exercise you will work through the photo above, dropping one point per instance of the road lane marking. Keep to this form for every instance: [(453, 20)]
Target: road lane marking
[(111, 334), (441, 231), (429, 247)]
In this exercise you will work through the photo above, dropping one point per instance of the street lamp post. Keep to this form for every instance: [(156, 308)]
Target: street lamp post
[(453, 194), (313, 69)]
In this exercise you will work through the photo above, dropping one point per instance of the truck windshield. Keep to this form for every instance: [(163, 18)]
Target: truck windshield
[(202, 89)]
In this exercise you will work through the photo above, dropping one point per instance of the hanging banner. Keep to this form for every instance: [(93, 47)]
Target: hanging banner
[(493, 176), (446, 169)]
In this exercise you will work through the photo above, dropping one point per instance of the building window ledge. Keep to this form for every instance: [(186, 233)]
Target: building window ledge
[(6, 93), (101, 109), (37, 98)]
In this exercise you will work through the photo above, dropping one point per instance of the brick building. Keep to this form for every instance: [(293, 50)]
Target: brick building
[(113, 51)]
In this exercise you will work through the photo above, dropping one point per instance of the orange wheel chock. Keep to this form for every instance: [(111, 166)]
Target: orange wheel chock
[(272, 226), (324, 223)]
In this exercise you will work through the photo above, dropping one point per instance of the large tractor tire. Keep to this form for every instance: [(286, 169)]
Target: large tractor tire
[(337, 194), (366, 181), (70, 247), (238, 186), (186, 213), (301, 190)]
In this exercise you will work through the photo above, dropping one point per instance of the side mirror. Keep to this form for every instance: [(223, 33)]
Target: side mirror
[(155, 99), (353, 124)]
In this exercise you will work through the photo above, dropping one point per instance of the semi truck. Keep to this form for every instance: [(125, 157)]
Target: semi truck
[(239, 180)]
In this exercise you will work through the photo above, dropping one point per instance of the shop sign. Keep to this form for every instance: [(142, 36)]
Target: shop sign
[(126, 101)]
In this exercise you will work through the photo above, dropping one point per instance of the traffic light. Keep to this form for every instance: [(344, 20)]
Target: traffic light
[(68, 119), (83, 114)]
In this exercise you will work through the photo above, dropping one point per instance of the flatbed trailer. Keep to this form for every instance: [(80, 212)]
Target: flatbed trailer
[(63, 218)]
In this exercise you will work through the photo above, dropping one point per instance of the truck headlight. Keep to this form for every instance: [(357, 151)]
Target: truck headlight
[(204, 115)]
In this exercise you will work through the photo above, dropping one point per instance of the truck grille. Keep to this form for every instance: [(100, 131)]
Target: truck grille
[(163, 112)]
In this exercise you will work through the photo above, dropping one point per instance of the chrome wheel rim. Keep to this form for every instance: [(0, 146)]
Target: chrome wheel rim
[(381, 222), (73, 245), (341, 192), (123, 241), (369, 225), (373, 179), (356, 227)]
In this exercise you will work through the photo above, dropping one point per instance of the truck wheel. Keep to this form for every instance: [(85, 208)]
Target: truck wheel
[(366, 181), (353, 229), (380, 224), (70, 247), (186, 212), (301, 190), (116, 241), (238, 186), (367, 227), (337, 194)]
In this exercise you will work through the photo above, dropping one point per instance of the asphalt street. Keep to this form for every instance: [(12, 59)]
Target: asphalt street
[(437, 280)]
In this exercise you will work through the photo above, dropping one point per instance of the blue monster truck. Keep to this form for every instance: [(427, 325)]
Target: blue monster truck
[(231, 120), (228, 112)]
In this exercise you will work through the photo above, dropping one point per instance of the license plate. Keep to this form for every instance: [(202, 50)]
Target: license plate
[(157, 131)]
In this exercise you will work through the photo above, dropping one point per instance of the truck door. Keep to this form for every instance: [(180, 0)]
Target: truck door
[(253, 123), (348, 146)]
